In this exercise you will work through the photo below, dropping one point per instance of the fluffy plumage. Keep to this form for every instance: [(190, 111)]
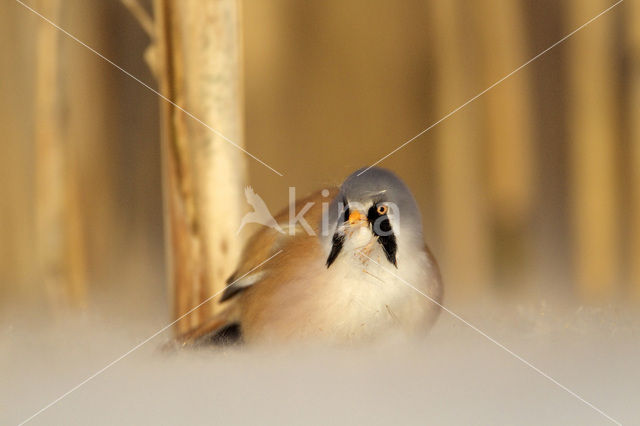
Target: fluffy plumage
[(335, 285)]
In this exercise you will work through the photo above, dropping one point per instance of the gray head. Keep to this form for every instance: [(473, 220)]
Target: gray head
[(380, 202)]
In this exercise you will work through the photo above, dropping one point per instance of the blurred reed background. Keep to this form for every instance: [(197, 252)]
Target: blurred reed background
[(532, 189)]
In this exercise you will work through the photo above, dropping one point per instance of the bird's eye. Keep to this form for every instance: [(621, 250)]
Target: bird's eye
[(382, 209)]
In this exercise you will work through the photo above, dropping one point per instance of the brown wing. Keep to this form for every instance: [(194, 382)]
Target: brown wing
[(261, 246), (268, 241)]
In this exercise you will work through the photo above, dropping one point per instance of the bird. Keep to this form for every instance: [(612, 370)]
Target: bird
[(364, 271)]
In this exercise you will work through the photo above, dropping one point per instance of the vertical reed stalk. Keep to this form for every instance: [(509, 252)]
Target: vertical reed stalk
[(633, 33), (507, 117), (593, 142), (462, 209), (198, 64), (60, 251)]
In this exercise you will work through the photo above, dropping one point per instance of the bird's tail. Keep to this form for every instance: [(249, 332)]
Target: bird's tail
[(221, 329)]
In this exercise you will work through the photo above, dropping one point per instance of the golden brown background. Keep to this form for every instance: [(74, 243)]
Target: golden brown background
[(533, 188)]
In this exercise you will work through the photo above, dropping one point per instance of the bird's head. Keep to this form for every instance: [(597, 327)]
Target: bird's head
[(373, 213)]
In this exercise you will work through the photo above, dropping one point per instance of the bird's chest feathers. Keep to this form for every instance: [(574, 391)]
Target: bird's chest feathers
[(364, 295)]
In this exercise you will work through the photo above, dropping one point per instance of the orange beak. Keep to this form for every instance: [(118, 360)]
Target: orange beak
[(355, 216)]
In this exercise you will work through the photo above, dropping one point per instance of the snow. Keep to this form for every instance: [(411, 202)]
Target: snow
[(452, 376)]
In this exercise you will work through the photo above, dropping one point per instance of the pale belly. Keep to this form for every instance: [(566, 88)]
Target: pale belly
[(354, 301)]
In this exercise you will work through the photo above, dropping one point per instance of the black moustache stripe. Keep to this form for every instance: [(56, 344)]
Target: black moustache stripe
[(338, 241), (381, 227), (390, 248)]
